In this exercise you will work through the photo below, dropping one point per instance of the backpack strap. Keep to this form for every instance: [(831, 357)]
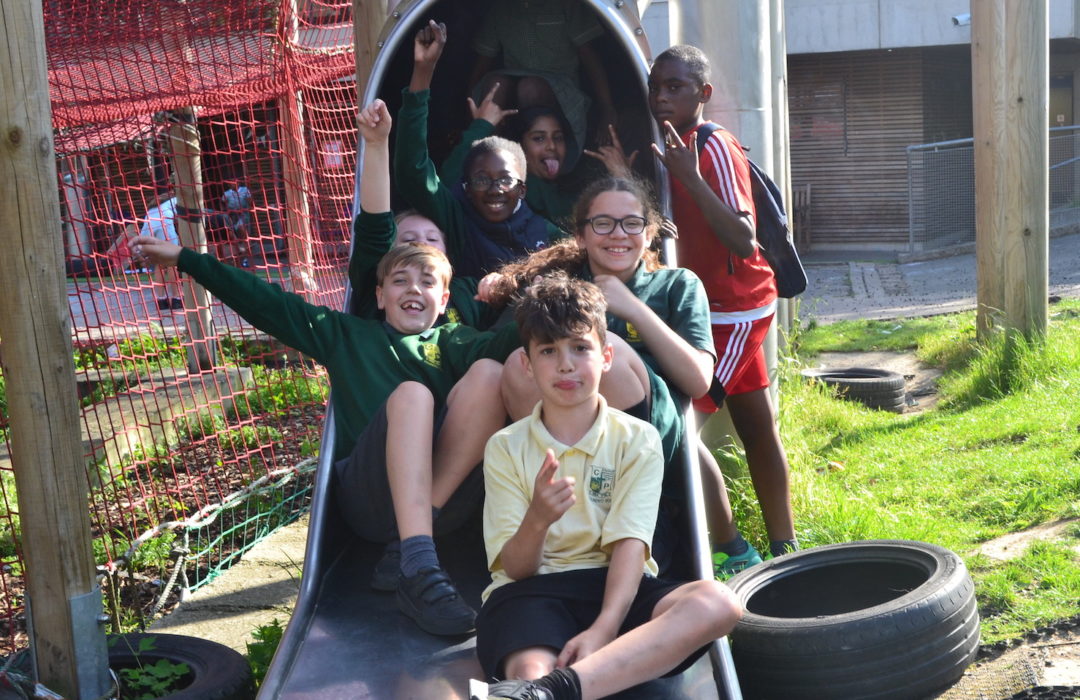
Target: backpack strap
[(704, 131)]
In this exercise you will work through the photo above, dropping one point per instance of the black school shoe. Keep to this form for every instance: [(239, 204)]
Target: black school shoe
[(518, 690), (433, 603), (387, 571)]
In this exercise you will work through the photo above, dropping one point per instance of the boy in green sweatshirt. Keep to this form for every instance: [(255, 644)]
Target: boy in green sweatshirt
[(402, 387)]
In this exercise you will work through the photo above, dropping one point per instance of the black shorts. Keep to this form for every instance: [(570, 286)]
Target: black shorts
[(362, 488), (550, 609)]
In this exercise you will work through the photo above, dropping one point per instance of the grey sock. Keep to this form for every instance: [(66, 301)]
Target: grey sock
[(781, 547), (417, 553)]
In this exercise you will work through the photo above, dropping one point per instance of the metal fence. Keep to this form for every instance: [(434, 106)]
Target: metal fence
[(941, 189)]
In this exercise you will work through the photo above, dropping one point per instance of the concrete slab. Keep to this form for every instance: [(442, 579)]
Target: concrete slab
[(262, 587)]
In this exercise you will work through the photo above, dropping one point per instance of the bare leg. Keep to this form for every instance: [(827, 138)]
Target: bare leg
[(474, 413), (684, 620), (753, 417), (626, 384), (530, 663), (519, 391), (717, 506), (410, 412)]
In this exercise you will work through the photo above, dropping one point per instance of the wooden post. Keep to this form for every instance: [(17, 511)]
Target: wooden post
[(298, 232), (187, 169), (369, 16), (1009, 63), (35, 324)]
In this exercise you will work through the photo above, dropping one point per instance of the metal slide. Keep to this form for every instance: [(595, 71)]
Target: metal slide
[(346, 641)]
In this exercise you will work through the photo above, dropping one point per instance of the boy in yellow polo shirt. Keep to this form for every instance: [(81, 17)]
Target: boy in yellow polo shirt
[(574, 609)]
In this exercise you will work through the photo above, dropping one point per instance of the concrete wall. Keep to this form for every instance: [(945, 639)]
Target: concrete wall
[(823, 26), (656, 25)]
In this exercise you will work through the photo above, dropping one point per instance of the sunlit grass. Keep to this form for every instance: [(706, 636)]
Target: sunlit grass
[(999, 453)]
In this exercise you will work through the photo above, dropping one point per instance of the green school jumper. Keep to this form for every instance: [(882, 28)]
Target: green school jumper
[(677, 296), (373, 236), (364, 358)]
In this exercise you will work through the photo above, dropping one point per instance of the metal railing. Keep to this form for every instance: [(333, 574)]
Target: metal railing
[(941, 189)]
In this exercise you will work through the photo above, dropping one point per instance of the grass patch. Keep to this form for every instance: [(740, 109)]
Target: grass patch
[(1000, 453)]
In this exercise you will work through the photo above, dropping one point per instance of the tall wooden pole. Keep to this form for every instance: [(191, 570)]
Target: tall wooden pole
[(35, 324), (294, 162), (1010, 88), (187, 169), (369, 16)]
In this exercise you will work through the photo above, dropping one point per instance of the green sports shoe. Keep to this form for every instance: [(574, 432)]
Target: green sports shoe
[(725, 566)]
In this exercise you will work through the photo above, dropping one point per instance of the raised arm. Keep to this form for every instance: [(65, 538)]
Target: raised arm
[(374, 124), (313, 330), (733, 229), (373, 228), (414, 174), (486, 117), (427, 48)]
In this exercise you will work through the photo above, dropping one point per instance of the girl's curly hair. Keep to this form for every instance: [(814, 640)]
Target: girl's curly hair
[(565, 255)]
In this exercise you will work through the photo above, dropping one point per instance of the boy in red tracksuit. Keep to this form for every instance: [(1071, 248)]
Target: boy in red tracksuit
[(714, 211)]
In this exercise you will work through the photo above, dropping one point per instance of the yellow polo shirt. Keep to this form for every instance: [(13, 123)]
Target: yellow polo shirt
[(618, 466)]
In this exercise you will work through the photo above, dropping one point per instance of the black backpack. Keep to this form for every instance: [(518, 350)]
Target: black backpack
[(773, 234)]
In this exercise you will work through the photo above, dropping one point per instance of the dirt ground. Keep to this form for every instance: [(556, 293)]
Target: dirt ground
[(1045, 663)]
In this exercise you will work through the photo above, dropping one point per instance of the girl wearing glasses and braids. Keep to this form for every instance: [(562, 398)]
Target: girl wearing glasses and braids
[(661, 313), (485, 218)]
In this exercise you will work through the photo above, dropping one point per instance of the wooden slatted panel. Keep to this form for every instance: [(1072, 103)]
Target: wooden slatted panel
[(852, 115)]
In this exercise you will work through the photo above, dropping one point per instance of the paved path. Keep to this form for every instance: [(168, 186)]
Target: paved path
[(263, 585), (851, 290)]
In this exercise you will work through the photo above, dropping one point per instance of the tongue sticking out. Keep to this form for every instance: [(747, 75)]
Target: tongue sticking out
[(551, 166)]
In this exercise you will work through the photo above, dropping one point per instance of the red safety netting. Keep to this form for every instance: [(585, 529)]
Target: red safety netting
[(182, 402)]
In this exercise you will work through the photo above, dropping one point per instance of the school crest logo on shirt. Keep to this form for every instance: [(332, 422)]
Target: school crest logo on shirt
[(632, 336), (432, 354), (601, 484), (453, 316)]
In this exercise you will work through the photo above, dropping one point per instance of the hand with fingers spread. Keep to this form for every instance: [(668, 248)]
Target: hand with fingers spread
[(551, 497), (680, 160), (374, 123), (489, 110), (613, 156)]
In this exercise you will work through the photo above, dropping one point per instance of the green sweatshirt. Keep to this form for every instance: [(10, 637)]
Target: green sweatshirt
[(373, 236), (365, 359)]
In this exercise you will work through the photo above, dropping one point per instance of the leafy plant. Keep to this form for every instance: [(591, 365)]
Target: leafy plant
[(147, 681), (250, 437), (261, 651)]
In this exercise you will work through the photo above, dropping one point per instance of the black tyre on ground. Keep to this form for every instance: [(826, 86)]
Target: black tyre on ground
[(876, 388), (883, 619), (218, 672)]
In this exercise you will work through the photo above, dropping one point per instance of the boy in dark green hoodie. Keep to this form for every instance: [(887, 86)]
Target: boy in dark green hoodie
[(393, 380)]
